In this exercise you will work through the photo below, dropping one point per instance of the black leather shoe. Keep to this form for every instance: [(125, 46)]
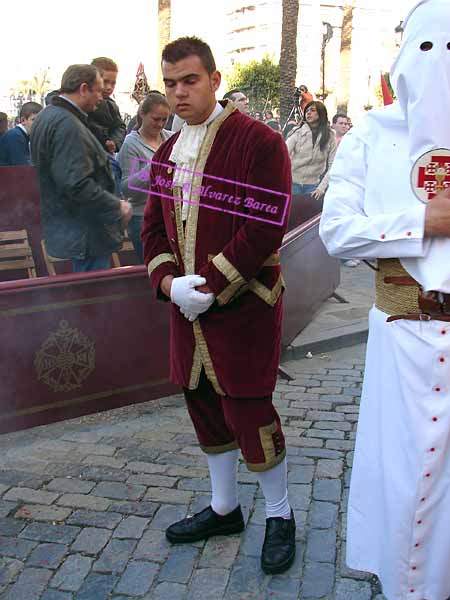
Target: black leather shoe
[(278, 551), (204, 525)]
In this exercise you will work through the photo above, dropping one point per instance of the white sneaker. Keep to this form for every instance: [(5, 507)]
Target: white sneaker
[(352, 263)]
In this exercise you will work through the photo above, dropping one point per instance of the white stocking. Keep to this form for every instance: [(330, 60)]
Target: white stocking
[(223, 474), (274, 486)]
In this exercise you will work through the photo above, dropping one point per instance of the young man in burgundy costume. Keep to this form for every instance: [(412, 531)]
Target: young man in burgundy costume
[(222, 273)]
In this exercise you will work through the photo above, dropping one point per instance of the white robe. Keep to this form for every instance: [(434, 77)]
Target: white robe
[(399, 505)]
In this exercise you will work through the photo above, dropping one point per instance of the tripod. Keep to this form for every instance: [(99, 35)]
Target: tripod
[(296, 112)]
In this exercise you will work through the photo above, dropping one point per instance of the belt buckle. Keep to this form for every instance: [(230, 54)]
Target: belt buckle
[(424, 317)]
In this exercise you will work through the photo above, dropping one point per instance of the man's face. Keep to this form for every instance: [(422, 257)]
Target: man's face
[(109, 83), (27, 123), (241, 102), (341, 126), (90, 97), (190, 89)]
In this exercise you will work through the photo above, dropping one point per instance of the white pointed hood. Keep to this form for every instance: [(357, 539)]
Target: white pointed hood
[(421, 76)]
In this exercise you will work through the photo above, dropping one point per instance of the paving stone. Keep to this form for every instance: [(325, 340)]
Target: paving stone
[(47, 555), (43, 513), (131, 527), (346, 572), (108, 520), (325, 415), (83, 501), (327, 489), (318, 580), (348, 408), (153, 546), (72, 573), (220, 551), (10, 526), (9, 569), (304, 442), (159, 494), (19, 478), (104, 474), (253, 538), (152, 480), (104, 461), (167, 515), (169, 591), (76, 486), (3, 488), (326, 434), (138, 508), (282, 588), (299, 496), (329, 469), (137, 454), (347, 589), (321, 545), (207, 584), (24, 494), (118, 491), (56, 595), (195, 484), (320, 453), (323, 515), (6, 508), (43, 532), (115, 556), (301, 474), (179, 565), (29, 585), (91, 540), (146, 467), (247, 579), (96, 586), (137, 579), (15, 548)]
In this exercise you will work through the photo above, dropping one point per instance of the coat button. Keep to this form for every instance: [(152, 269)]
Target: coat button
[(172, 214), (173, 240), (169, 170)]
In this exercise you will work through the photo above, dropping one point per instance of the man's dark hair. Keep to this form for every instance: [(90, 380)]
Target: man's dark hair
[(337, 116), (229, 95), (105, 64), (28, 109), (75, 75), (303, 88), (189, 46)]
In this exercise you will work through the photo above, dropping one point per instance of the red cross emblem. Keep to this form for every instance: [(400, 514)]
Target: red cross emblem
[(431, 174)]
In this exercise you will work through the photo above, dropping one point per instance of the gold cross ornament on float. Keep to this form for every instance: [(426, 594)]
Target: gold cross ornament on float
[(65, 359), (431, 174)]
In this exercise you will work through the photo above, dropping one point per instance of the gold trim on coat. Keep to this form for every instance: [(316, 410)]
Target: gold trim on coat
[(266, 466), (159, 260)]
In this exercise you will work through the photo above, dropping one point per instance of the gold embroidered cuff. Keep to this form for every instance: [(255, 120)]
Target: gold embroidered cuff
[(220, 449), (269, 464), (223, 265), (159, 260)]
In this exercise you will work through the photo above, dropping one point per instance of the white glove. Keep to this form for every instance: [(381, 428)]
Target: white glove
[(189, 316), (184, 294)]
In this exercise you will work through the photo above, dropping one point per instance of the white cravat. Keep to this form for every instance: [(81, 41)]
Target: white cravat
[(185, 152)]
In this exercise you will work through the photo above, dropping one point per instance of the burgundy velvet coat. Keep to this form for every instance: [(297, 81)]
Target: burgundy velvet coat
[(238, 340)]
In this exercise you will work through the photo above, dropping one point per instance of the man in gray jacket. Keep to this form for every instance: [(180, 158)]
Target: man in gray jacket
[(82, 219)]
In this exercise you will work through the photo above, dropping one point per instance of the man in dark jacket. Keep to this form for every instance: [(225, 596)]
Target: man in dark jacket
[(15, 143), (82, 218)]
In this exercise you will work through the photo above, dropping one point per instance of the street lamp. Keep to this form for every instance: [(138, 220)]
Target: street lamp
[(399, 34), (326, 37)]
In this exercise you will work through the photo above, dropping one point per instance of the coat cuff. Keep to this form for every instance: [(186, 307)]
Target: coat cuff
[(160, 266), (222, 278)]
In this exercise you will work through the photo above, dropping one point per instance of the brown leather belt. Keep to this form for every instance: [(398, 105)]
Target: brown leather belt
[(434, 305)]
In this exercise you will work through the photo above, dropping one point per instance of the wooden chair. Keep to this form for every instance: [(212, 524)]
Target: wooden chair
[(127, 246), (15, 252), (51, 260)]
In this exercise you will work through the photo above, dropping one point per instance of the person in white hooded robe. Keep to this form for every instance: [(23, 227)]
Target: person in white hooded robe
[(398, 512)]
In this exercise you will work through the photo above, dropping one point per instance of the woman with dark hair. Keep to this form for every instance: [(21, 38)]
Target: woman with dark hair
[(312, 147), (135, 157)]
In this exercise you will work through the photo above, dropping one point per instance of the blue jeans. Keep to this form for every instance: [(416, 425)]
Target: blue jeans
[(303, 189), (134, 233), (117, 174), (96, 263)]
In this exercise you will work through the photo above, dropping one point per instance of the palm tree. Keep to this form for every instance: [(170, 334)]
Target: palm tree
[(346, 53), (288, 57), (164, 17)]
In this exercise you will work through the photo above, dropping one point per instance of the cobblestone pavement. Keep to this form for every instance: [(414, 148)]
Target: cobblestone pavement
[(84, 503)]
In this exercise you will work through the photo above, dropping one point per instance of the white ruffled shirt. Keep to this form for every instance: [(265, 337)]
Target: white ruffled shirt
[(185, 152)]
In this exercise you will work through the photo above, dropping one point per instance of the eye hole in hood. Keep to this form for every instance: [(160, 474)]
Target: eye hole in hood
[(426, 46)]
